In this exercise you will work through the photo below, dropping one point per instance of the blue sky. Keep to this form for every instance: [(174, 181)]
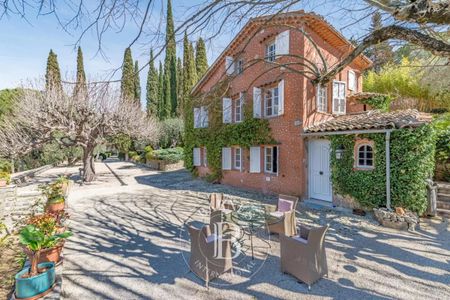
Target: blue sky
[(26, 43)]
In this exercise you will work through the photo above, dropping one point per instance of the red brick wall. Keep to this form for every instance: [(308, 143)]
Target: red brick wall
[(299, 111)]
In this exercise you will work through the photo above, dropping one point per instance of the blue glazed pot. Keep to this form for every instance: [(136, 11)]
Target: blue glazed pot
[(32, 286)]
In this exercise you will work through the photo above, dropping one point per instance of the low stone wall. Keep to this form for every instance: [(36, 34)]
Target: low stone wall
[(163, 165), (391, 219), (16, 206)]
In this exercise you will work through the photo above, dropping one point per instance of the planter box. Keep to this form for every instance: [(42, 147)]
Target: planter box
[(163, 165)]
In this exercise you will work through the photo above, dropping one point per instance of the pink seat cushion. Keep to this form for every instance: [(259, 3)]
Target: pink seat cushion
[(285, 205)]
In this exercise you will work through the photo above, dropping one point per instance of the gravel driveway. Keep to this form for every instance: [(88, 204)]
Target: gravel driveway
[(130, 243)]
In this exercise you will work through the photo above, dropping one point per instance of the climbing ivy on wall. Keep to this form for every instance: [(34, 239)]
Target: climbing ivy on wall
[(412, 162), (381, 102), (249, 132)]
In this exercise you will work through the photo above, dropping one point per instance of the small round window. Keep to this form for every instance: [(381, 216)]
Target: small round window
[(365, 156)]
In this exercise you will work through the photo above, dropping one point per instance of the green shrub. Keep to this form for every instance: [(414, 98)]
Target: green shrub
[(149, 156), (5, 176), (148, 149), (5, 166), (131, 154), (171, 155), (136, 158)]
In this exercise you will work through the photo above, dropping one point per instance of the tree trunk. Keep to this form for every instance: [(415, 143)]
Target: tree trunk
[(88, 164), (126, 156), (34, 258)]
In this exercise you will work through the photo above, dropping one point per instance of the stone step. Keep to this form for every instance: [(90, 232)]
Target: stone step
[(443, 204), (443, 187), (443, 212), (443, 196)]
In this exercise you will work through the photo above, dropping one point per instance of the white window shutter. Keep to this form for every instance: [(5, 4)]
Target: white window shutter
[(204, 117), (255, 159), (197, 113), (229, 65), (197, 157), (227, 110), (282, 43), (351, 80), (226, 158), (256, 102), (281, 97)]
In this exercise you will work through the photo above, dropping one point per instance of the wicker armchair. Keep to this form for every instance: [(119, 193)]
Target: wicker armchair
[(203, 261), (282, 217), (304, 256)]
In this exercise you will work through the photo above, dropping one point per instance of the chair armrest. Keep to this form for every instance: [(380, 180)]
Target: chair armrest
[(270, 208), (303, 231)]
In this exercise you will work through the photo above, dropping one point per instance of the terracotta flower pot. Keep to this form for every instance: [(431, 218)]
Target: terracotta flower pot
[(3, 182), (55, 207), (52, 254)]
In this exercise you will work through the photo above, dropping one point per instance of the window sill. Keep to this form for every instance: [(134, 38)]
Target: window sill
[(358, 168)]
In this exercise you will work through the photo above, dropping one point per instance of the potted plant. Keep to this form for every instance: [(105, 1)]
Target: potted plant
[(5, 178), (55, 196), (63, 181), (38, 279), (48, 224)]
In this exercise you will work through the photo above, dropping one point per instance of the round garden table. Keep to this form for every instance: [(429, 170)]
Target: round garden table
[(249, 217)]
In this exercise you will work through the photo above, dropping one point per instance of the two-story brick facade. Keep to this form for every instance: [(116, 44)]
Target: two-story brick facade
[(270, 64)]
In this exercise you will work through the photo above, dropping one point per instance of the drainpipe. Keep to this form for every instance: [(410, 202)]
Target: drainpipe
[(388, 169)]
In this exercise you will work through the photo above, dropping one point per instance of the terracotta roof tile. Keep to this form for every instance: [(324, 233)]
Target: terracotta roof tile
[(373, 119)]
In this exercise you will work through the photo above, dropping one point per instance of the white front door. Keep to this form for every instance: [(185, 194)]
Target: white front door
[(319, 170)]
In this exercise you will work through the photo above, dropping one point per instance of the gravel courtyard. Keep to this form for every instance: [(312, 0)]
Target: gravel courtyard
[(130, 243)]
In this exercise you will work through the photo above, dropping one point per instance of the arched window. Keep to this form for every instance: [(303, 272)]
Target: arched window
[(365, 156)]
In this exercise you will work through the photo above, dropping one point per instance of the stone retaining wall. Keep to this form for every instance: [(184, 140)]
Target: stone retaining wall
[(15, 206), (164, 165)]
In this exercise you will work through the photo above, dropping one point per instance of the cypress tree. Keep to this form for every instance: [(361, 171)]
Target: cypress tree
[(170, 66), (127, 86), (201, 61), (137, 84), (180, 95), (53, 74), (189, 68), (80, 86), (152, 88), (161, 92)]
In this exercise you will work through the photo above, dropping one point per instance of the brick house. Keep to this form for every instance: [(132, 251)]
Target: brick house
[(298, 164)]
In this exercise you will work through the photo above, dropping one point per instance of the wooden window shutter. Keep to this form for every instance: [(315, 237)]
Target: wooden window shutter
[(227, 110), (197, 113), (229, 65), (281, 97), (282, 43), (197, 161), (226, 158), (255, 159), (256, 102)]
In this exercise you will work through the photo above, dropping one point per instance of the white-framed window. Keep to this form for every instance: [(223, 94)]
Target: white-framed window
[(240, 66), (365, 156), (338, 97), (271, 52), (205, 157), (271, 159), (238, 104), (271, 102), (237, 158), (322, 101), (352, 81)]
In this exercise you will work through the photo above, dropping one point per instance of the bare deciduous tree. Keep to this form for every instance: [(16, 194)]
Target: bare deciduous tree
[(85, 121)]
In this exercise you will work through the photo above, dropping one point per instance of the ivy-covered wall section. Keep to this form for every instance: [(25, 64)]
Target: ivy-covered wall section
[(412, 162), (249, 132)]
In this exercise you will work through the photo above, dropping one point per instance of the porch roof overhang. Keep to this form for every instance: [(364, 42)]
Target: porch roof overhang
[(373, 121)]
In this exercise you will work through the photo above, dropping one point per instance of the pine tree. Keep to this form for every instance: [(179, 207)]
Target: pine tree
[(53, 74), (170, 66), (201, 61), (161, 91), (80, 86), (137, 84), (152, 88), (127, 86), (380, 53)]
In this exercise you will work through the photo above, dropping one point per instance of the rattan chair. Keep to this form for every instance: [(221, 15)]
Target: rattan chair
[(304, 256), (203, 261), (282, 219)]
